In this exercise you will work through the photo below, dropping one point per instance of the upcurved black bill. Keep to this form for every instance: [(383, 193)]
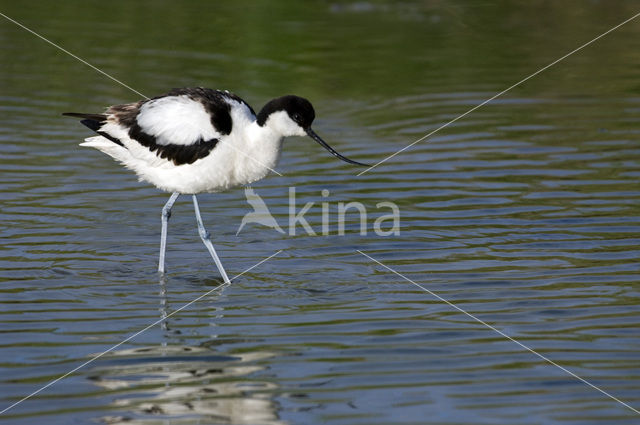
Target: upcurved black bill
[(324, 144)]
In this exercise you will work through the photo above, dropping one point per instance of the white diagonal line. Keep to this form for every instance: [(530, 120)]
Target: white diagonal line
[(115, 79), (71, 54), (548, 360), (501, 93), (129, 338)]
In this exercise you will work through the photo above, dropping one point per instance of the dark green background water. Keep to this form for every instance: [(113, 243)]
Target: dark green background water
[(524, 213)]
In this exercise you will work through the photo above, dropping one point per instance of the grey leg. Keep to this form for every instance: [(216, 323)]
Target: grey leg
[(166, 213), (206, 238)]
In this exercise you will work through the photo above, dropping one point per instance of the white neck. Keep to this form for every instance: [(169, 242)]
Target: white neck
[(258, 151)]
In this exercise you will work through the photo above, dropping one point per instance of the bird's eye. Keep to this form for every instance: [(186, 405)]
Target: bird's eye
[(297, 117)]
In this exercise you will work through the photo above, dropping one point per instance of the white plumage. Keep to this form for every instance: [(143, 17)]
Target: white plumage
[(177, 120), (242, 157)]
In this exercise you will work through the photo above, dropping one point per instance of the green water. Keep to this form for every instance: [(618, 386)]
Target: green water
[(523, 213)]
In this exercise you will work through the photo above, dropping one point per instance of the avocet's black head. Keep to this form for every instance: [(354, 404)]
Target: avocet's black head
[(297, 108), (292, 116)]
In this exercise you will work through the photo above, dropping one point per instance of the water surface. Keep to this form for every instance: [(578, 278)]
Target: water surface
[(523, 213)]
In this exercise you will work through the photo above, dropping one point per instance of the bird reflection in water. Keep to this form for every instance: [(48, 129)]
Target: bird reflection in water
[(185, 384)]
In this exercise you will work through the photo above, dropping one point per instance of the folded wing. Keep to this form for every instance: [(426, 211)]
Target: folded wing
[(181, 127)]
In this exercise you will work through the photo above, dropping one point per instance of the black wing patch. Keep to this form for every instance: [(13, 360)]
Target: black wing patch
[(179, 154), (214, 103)]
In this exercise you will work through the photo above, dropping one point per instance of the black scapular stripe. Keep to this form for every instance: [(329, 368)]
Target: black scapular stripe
[(179, 154), (214, 102)]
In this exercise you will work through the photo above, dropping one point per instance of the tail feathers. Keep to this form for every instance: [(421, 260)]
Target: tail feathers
[(116, 151), (94, 122), (94, 117), (96, 142)]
